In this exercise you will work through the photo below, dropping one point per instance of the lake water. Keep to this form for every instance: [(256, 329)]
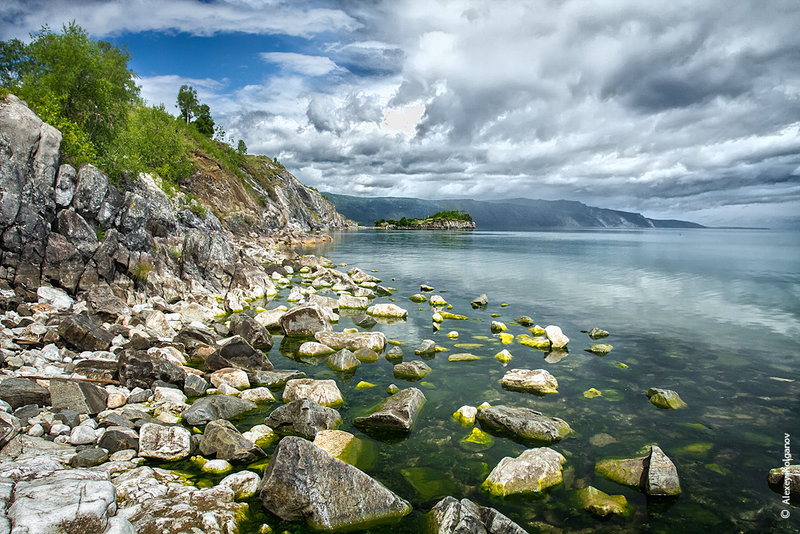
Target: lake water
[(711, 314)]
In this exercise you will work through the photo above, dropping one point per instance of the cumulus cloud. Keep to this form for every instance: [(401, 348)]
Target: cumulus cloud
[(196, 17), (679, 109)]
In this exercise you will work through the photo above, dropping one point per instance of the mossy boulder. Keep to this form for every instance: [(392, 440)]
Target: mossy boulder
[(466, 415), (413, 370), (538, 342), (503, 356), (524, 424), (418, 298), (665, 399), (498, 327), (343, 361), (601, 349), (395, 414), (533, 471), (602, 504), (654, 474), (524, 321)]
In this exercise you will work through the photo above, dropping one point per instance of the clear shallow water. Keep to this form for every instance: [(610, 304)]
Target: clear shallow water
[(712, 314)]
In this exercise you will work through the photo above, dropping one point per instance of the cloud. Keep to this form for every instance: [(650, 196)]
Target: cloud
[(301, 63), (103, 18)]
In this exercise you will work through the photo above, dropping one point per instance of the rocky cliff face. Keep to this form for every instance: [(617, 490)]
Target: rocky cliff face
[(72, 228)]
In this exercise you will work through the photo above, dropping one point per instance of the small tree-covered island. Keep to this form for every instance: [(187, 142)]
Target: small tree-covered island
[(441, 220), (177, 355)]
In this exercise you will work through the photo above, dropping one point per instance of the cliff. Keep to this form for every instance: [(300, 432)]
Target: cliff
[(73, 228)]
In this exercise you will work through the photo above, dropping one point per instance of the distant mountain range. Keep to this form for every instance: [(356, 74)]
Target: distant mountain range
[(510, 214)]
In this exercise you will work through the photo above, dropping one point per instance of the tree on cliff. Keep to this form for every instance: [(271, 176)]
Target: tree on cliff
[(81, 86), (191, 107)]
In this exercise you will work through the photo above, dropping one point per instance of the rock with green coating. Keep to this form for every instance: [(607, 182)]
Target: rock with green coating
[(466, 415), (391, 389), (217, 467), (451, 516), (479, 302), (498, 327), (344, 360), (601, 349), (537, 342), (524, 321), (778, 477), (462, 357), (418, 298), (602, 504), (244, 484), (523, 423), (665, 399), (452, 316), (597, 333), (304, 418), (397, 413), (428, 483), (394, 354), (427, 346), (387, 310), (537, 330), (533, 471), (364, 385), (366, 355), (503, 356), (323, 392), (538, 381), (223, 441), (654, 474), (437, 300), (414, 370), (303, 482), (477, 440)]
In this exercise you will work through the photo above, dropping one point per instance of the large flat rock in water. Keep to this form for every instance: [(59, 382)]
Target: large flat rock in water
[(523, 423), (303, 481), (397, 413), (353, 341)]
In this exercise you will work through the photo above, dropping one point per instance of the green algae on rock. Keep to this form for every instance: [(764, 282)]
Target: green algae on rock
[(665, 399), (477, 440), (539, 342), (654, 474), (523, 423), (533, 471), (463, 357), (602, 504), (429, 483), (601, 349)]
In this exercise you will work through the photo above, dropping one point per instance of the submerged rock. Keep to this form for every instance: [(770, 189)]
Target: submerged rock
[(597, 333), (413, 370), (397, 413), (531, 472), (601, 349), (538, 381), (665, 398), (524, 320), (322, 392), (786, 476), (304, 418), (462, 357), (304, 482), (451, 516), (523, 423), (602, 504), (479, 302)]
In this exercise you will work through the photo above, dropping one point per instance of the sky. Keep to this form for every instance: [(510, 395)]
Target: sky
[(680, 109)]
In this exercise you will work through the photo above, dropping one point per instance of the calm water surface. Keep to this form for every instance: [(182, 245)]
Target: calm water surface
[(712, 314)]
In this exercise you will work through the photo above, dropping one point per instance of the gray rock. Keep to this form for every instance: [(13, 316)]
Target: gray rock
[(19, 392), (305, 321), (119, 438), (84, 333), (55, 297), (251, 331), (89, 458), (9, 428), (209, 409), (105, 304), (413, 370), (394, 354), (597, 333), (480, 302), (344, 360), (71, 500), (364, 321), (221, 440), (665, 398), (323, 392), (77, 231), (427, 346), (304, 418), (524, 320), (662, 476), (531, 472), (163, 442), (304, 482), (353, 341), (538, 381), (82, 435), (137, 368), (194, 337), (90, 191), (194, 385), (238, 353), (81, 397), (523, 423), (273, 379), (451, 516), (65, 185), (397, 413), (244, 484)]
